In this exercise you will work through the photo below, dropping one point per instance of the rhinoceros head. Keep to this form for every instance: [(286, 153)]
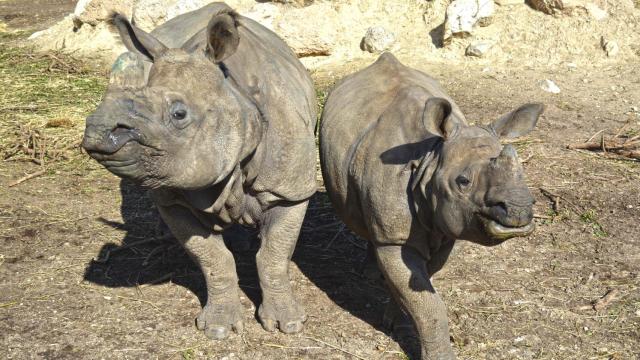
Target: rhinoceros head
[(478, 191), (183, 125)]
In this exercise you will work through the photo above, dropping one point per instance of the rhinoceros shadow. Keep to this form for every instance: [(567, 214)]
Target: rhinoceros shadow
[(146, 253), (328, 254)]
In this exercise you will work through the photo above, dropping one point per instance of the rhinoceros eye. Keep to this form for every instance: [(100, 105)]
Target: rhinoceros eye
[(179, 114), (463, 181)]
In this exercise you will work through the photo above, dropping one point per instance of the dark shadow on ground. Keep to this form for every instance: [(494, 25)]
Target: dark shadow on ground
[(327, 253), (148, 254), (336, 261)]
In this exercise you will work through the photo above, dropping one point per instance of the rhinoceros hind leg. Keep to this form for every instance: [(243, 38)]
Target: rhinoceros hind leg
[(279, 233)]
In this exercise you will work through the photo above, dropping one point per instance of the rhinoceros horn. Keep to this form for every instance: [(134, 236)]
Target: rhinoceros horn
[(128, 71), (508, 160)]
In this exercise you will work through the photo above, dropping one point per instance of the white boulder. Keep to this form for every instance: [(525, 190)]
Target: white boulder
[(378, 39), (463, 15), (309, 31), (94, 12), (149, 14)]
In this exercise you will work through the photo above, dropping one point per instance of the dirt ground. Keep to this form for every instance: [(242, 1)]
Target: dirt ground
[(34, 14), (82, 275)]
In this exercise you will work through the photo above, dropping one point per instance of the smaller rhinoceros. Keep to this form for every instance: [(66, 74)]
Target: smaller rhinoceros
[(405, 171), (216, 115)]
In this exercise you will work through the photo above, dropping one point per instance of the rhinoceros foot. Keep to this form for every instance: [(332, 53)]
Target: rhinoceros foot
[(219, 316), (283, 312)]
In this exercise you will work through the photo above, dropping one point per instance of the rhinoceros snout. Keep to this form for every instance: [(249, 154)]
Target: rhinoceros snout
[(511, 208), (108, 140)]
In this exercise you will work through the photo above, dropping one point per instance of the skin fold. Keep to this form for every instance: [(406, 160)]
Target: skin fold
[(405, 171), (215, 114)]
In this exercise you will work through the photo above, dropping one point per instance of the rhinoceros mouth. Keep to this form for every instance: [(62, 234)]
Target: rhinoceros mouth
[(499, 232), (119, 137)]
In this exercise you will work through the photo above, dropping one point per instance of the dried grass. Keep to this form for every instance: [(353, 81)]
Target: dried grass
[(624, 144), (44, 101)]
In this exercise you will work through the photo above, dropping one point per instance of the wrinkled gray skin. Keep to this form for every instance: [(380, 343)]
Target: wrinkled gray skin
[(220, 125), (404, 170)]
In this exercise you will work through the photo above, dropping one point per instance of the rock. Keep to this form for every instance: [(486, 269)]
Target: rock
[(478, 48), (87, 34), (509, 2), (264, 13), (94, 12), (92, 42), (549, 86), (462, 15), (309, 38), (547, 6), (295, 2), (594, 8), (609, 46), (378, 39), (148, 14), (526, 341), (596, 12)]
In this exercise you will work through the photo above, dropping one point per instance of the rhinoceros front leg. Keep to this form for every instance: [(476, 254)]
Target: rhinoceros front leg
[(279, 233), (407, 276), (223, 310)]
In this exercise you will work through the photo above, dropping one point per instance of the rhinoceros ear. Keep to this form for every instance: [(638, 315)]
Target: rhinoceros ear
[(222, 36), (137, 40), (519, 122), (437, 120)]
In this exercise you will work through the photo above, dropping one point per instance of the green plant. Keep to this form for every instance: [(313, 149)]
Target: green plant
[(590, 217)]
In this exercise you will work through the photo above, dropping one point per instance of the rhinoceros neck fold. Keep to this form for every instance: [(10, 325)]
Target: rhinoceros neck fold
[(256, 123), (420, 187), (219, 205)]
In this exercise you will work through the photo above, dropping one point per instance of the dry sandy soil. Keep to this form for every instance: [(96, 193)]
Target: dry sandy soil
[(82, 276)]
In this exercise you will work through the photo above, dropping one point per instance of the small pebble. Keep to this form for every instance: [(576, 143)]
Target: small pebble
[(549, 86), (609, 46), (478, 48)]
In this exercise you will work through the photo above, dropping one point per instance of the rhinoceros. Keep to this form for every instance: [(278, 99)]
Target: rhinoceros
[(404, 170), (216, 116)]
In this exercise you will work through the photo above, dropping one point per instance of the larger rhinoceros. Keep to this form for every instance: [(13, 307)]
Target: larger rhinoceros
[(405, 171), (216, 115)]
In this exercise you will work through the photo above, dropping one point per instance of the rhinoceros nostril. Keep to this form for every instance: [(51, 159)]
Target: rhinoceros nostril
[(500, 208), (120, 129)]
